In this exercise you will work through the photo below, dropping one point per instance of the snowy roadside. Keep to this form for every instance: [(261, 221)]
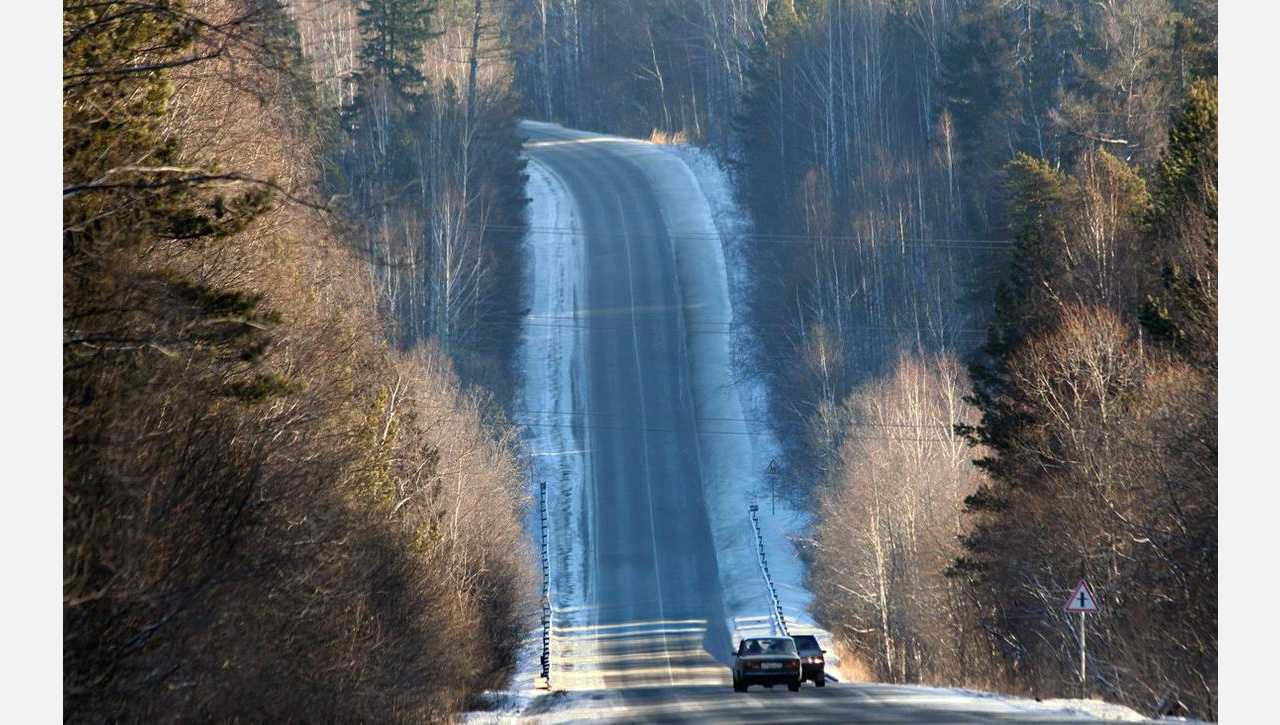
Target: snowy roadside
[(554, 367), (957, 699), (552, 363), (737, 444)]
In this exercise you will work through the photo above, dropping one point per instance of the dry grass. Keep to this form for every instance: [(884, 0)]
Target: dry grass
[(853, 666), (668, 138)]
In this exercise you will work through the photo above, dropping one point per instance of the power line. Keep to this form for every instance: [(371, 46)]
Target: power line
[(946, 242), (702, 431), (527, 417), (719, 419), (582, 321), (623, 326)]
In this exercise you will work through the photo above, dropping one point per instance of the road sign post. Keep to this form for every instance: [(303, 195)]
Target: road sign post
[(1082, 660), (1084, 602)]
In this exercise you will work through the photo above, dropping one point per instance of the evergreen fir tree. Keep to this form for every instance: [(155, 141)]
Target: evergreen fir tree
[(1183, 232), (1036, 193), (394, 33)]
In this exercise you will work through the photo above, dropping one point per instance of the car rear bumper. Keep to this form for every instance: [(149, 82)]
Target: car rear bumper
[(814, 674), (770, 678)]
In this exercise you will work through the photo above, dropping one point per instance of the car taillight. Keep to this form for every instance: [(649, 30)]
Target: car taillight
[(753, 665), (792, 664)]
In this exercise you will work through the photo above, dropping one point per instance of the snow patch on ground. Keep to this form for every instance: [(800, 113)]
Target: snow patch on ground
[(928, 704), (552, 363), (956, 699), (507, 706), (732, 404), (1095, 709)]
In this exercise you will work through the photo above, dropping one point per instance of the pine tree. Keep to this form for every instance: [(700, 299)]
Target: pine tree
[(1072, 404), (1023, 303), (390, 102), (142, 318), (1183, 232), (127, 192), (394, 33)]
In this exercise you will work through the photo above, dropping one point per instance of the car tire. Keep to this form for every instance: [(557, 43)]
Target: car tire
[(822, 682), (739, 687), (794, 686)]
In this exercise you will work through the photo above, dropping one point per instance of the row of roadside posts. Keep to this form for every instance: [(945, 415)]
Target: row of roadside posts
[(1082, 602), (544, 679), (780, 619), (773, 472)]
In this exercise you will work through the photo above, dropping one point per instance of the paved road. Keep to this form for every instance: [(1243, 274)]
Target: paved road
[(843, 703), (651, 574), (655, 624)]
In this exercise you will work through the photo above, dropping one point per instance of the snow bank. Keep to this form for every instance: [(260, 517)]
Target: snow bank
[(552, 360), (873, 702), (737, 446), (954, 699)]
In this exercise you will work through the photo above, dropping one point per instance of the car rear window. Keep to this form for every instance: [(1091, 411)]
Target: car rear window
[(770, 646), (807, 643)]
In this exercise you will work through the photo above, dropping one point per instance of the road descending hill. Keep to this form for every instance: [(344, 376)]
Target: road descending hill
[(629, 429)]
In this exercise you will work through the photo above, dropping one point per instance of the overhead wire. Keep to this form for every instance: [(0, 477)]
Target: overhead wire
[(572, 321), (700, 431), (529, 418), (763, 238)]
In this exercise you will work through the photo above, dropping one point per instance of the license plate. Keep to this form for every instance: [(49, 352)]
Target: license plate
[(771, 665)]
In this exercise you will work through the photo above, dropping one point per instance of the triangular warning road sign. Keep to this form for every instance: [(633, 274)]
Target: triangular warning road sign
[(1082, 600)]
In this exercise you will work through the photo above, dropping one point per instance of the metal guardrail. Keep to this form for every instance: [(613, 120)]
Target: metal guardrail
[(546, 587), (780, 619)]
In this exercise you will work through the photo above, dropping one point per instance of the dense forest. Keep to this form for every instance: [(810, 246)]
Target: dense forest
[(983, 258), (289, 490), (985, 300)]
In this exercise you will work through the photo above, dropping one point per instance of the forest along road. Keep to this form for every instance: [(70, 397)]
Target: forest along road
[(652, 645)]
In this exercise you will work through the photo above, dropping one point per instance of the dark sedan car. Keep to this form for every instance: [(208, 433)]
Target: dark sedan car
[(812, 662), (766, 661)]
